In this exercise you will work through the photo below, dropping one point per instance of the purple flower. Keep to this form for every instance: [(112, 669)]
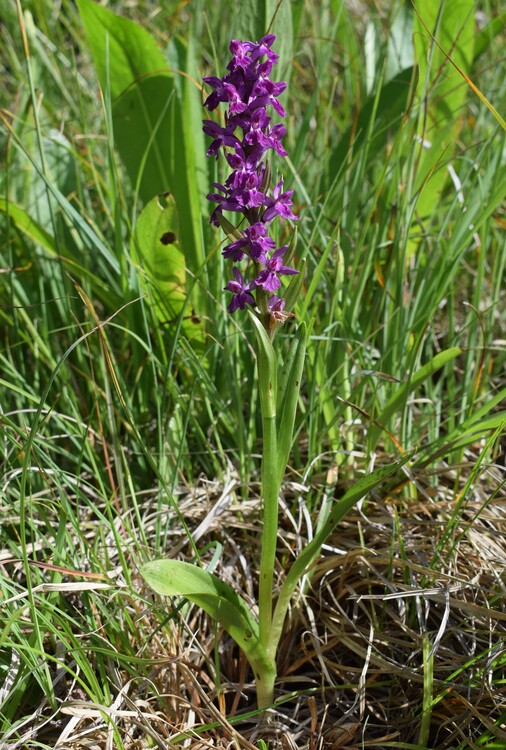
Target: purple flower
[(222, 137), (240, 52), (244, 168), (254, 242), (276, 304), (241, 291), (274, 137), (268, 98), (250, 196), (264, 48), (219, 94), (268, 279), (280, 204), (257, 125), (226, 202)]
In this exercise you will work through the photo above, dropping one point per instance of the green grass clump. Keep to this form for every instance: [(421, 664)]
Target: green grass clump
[(129, 414)]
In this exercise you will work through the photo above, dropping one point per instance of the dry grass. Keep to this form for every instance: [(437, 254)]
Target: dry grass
[(399, 615)]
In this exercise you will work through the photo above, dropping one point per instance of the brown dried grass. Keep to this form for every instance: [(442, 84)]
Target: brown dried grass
[(353, 659)]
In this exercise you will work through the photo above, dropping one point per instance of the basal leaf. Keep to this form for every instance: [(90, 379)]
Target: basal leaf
[(156, 117), (218, 599), (157, 251), (122, 50), (442, 87), (143, 117), (311, 551)]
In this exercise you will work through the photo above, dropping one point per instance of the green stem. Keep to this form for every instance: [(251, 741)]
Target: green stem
[(264, 682), (271, 482), (270, 492)]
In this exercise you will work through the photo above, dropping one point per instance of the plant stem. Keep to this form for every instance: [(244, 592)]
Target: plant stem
[(270, 492), (264, 683), (271, 482)]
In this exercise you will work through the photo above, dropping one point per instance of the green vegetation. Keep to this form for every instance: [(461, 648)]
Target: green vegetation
[(129, 417)]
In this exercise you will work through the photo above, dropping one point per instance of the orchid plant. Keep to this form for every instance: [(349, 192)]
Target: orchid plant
[(246, 138)]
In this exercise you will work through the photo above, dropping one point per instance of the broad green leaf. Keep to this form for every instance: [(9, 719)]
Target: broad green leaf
[(400, 396), (485, 37), (218, 599), (400, 42), (143, 117), (360, 490), (154, 145), (444, 89), (157, 251), (388, 109), (291, 375), (156, 117), (122, 50), (270, 16)]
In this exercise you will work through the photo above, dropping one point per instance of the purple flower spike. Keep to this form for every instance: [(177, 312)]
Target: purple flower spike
[(248, 91), (241, 291)]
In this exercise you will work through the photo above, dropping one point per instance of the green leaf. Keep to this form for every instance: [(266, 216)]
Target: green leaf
[(484, 38), (380, 118), (400, 42), (472, 429), (400, 396), (122, 50), (267, 369), (291, 375), (341, 507), (157, 250), (443, 88), (218, 599), (143, 118), (156, 118), (28, 226), (270, 16)]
